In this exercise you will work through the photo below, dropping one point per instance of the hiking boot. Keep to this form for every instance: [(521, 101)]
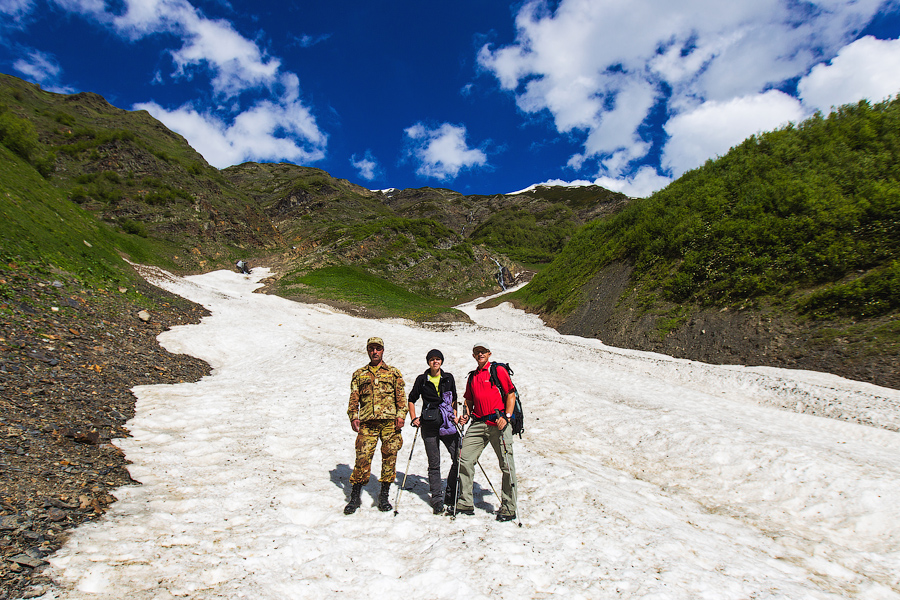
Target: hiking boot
[(453, 511), (383, 504), (503, 518), (438, 507), (354, 499)]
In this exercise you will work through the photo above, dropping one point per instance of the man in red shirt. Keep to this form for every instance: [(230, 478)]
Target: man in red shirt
[(490, 409)]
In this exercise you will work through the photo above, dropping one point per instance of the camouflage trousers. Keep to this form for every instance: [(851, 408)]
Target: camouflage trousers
[(391, 442)]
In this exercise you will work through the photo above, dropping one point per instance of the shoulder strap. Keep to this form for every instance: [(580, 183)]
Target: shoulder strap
[(495, 380)]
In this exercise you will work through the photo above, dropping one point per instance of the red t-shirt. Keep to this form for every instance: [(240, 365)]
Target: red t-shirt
[(485, 396)]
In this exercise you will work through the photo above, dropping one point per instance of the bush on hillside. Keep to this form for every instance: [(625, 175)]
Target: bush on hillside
[(18, 134), (873, 295), (527, 237), (133, 227), (787, 210)]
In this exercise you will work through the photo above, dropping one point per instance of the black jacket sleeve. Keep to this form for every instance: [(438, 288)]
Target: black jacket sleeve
[(416, 390)]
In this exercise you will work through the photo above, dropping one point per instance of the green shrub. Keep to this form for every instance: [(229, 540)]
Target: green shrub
[(46, 164), (18, 134), (110, 195), (78, 195), (873, 295), (133, 227), (64, 118)]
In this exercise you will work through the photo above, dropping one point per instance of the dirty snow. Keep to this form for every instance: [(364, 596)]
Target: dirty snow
[(641, 476)]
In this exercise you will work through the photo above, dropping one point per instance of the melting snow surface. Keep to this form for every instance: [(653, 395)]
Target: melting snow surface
[(641, 476)]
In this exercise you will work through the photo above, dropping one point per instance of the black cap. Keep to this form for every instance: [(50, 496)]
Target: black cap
[(434, 353)]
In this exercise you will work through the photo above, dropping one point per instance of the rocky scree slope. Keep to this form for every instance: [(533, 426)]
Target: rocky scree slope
[(69, 356)]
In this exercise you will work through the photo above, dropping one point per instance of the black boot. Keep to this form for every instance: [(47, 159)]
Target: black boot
[(383, 504), (354, 499)]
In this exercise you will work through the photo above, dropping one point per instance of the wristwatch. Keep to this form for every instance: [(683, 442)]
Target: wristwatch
[(508, 417)]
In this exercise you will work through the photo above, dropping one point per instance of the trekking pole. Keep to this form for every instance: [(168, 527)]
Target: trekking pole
[(458, 456), (497, 496), (405, 474), (478, 462)]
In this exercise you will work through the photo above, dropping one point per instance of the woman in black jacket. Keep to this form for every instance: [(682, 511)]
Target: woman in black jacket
[(438, 421)]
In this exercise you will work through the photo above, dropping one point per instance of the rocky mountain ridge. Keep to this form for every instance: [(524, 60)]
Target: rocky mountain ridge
[(133, 173)]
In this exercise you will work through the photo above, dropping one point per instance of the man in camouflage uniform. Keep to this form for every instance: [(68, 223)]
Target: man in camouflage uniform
[(377, 410)]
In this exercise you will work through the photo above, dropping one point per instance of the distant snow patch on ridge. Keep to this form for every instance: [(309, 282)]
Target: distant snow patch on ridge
[(552, 183), (644, 182)]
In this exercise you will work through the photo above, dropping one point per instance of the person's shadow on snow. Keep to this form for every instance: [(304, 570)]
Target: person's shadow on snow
[(419, 485), (416, 484), (340, 477)]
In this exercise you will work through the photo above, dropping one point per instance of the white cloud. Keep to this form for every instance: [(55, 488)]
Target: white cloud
[(643, 183), (867, 68), (85, 7), (307, 41), (267, 131), (615, 135), (601, 67), (639, 185), (42, 68), (38, 67), (367, 167), (714, 127), (236, 63), (16, 9), (442, 152), (269, 123)]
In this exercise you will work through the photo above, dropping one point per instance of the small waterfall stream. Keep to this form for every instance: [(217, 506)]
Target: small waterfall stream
[(499, 273)]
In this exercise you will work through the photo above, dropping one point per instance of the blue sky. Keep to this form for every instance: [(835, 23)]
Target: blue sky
[(478, 96)]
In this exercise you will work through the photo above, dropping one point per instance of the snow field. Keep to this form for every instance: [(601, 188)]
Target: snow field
[(640, 476)]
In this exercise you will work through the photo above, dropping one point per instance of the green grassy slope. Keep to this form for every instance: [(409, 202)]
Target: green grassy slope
[(46, 234), (131, 172), (809, 213)]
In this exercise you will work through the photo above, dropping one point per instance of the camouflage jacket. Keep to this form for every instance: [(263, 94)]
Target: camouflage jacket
[(377, 393)]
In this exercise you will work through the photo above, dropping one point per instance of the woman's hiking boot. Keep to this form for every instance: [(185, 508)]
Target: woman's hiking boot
[(354, 499), (383, 504)]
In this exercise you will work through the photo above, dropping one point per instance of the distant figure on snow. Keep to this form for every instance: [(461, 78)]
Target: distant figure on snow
[(377, 410), (243, 267)]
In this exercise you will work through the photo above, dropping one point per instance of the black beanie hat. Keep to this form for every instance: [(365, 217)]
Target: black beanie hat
[(432, 353)]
